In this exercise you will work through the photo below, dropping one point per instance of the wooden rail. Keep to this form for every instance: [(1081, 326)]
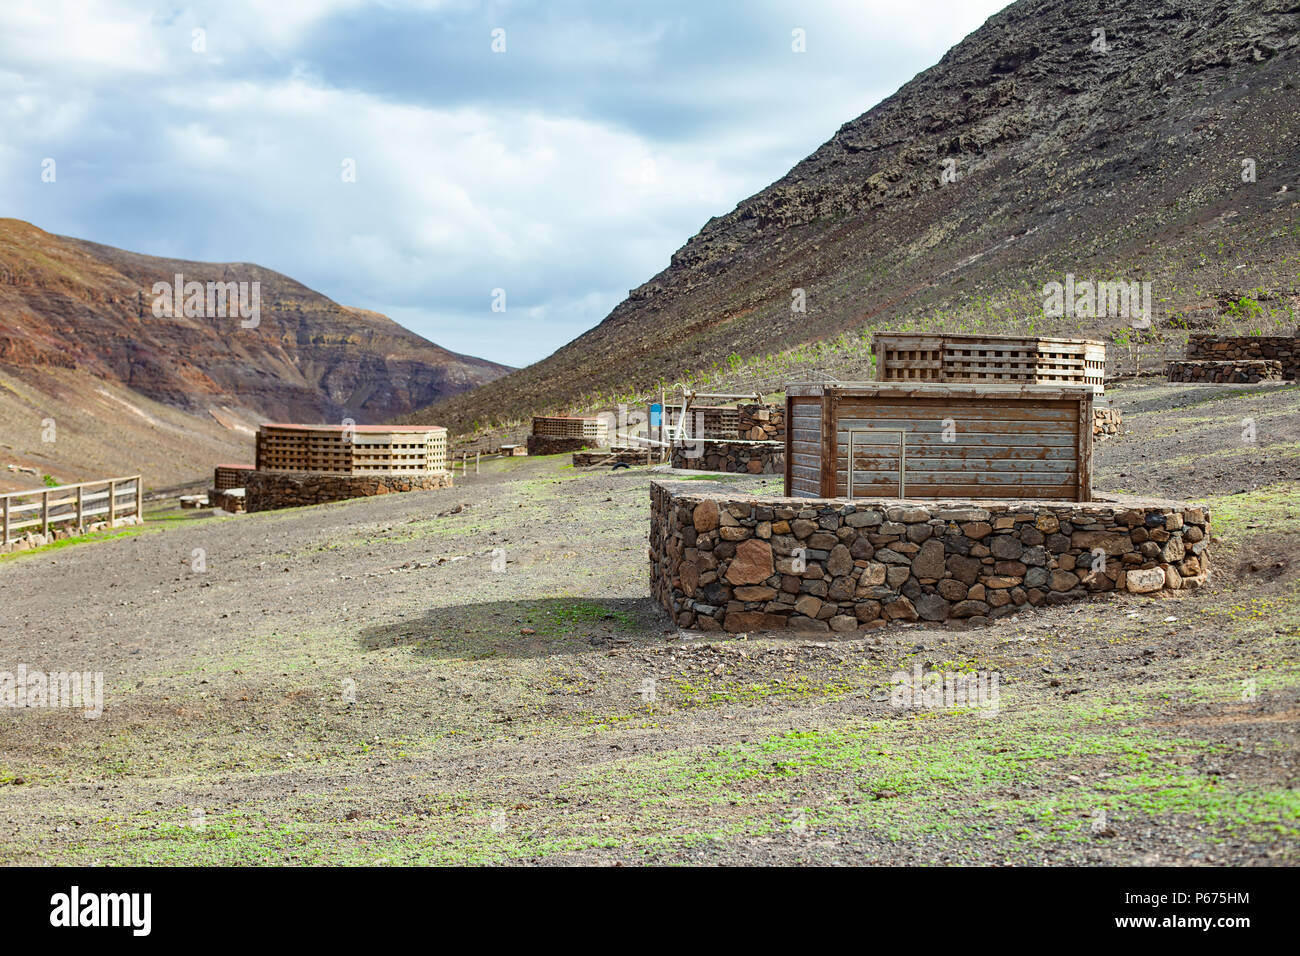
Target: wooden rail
[(43, 507)]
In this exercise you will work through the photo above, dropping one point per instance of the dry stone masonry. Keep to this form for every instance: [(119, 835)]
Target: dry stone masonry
[(724, 562), (1106, 422), (547, 445), (1237, 371), (761, 422), (265, 490), (1284, 349), (561, 434), (746, 457), (611, 456), (230, 500)]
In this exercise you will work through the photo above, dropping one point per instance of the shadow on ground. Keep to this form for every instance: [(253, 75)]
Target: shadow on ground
[(521, 629)]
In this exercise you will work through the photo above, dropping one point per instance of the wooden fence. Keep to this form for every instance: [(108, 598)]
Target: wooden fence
[(43, 508)]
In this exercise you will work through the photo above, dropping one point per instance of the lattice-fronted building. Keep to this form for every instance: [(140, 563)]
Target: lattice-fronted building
[(560, 434), (355, 450), (941, 359)]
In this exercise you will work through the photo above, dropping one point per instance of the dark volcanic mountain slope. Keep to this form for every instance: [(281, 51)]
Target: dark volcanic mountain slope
[(79, 305), (1117, 163)]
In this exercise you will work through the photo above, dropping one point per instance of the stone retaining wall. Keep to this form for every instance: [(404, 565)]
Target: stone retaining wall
[(1106, 422), (608, 456), (229, 499), (721, 562), (1238, 371), (759, 422), (549, 445), (744, 457), (266, 490), (1280, 348)]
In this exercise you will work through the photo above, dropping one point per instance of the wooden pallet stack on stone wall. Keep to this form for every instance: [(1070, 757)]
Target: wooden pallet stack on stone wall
[(225, 477), (561, 434), (313, 464), (352, 449)]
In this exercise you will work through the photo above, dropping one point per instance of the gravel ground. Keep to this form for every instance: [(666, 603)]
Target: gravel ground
[(478, 675)]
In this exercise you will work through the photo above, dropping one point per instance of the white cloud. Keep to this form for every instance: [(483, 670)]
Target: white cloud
[(617, 141)]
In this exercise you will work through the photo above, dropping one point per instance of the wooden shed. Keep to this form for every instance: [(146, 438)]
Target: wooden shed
[(943, 358), (884, 440)]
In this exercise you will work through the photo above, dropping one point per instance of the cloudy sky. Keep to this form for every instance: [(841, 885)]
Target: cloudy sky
[(565, 168)]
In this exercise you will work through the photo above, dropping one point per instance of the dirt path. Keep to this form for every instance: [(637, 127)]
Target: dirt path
[(356, 683)]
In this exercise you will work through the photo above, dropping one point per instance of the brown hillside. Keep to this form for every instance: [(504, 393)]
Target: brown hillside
[(76, 321), (1124, 164)]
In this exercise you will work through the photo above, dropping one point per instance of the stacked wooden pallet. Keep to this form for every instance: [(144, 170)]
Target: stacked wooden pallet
[(352, 449), (560, 426), (989, 360)]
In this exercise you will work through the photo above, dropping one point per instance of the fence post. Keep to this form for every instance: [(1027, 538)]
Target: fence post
[(112, 501), (477, 455), (6, 521), (139, 497), (45, 512), (80, 523)]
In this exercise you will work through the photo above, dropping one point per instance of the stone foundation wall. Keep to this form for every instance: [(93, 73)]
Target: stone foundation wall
[(719, 562), (1238, 371), (761, 422), (229, 499), (630, 456), (1280, 348), (743, 457), (267, 490), (548, 445), (1106, 422)]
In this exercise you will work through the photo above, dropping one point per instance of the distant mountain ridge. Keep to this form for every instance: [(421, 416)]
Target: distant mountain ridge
[(1106, 141), (86, 310)]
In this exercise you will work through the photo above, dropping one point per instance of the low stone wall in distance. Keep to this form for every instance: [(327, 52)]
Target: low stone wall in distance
[(610, 456), (720, 561), (759, 422), (549, 445), (1106, 422), (1281, 348), (743, 457), (1236, 372), (267, 490), (229, 499)]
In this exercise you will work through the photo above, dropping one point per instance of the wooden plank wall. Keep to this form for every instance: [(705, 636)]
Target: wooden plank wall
[(1008, 448), (804, 463)]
